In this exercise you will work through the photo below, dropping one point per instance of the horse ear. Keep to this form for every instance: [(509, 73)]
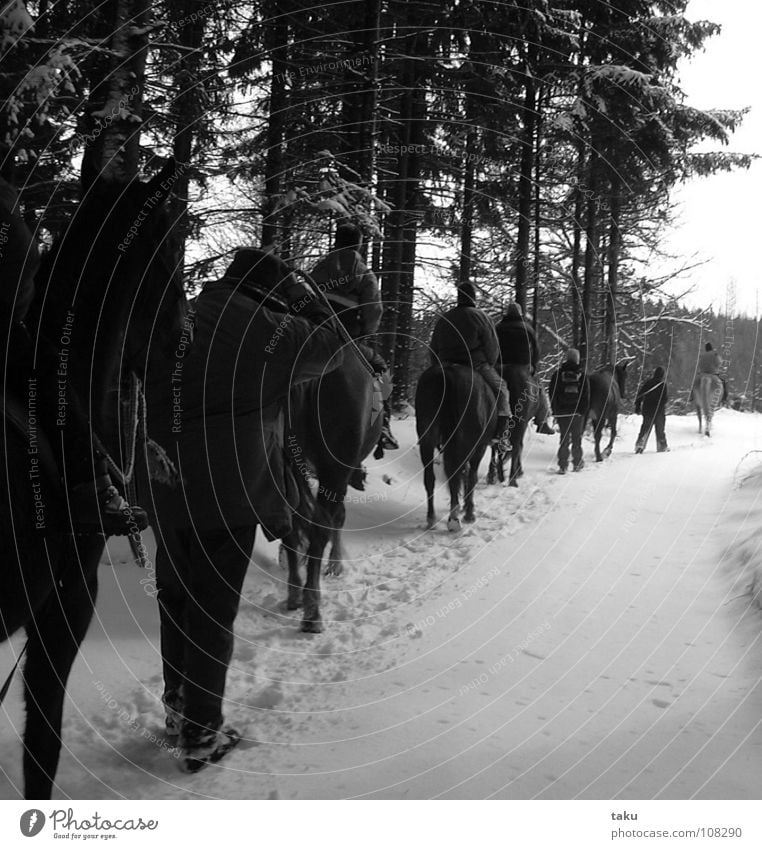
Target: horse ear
[(160, 185)]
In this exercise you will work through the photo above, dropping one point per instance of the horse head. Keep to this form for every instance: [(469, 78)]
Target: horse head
[(111, 284), (620, 375)]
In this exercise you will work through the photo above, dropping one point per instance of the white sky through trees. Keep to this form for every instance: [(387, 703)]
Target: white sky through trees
[(720, 218)]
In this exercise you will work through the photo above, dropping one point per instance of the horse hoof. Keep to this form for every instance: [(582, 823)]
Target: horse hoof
[(430, 522), (490, 479), (514, 483), (312, 626), (293, 603), (469, 519), (453, 525), (334, 568)]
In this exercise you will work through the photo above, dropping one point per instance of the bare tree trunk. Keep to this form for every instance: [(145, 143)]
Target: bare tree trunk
[(187, 112), (591, 255), (273, 178), (467, 222), (113, 118), (524, 228), (614, 249)]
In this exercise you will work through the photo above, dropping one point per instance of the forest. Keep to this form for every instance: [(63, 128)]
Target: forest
[(529, 148)]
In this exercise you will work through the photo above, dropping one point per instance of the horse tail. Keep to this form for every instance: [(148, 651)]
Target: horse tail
[(431, 413)]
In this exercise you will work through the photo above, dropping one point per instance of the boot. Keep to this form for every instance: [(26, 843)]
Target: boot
[(357, 479), (544, 427), (97, 507), (200, 747)]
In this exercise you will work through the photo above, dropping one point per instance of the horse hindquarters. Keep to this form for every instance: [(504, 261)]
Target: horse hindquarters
[(55, 635)]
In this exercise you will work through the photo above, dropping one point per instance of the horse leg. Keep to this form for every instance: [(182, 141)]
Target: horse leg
[(493, 461), (329, 518), (337, 556), (609, 448), (292, 546), (429, 480), (597, 433), (517, 445), (55, 635), (453, 520)]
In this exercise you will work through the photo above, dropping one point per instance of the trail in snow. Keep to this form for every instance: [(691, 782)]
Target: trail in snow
[(589, 637)]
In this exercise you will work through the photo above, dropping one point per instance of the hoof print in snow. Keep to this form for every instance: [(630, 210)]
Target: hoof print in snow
[(660, 703)]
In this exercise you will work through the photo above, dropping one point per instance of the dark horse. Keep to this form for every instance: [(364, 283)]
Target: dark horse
[(707, 392), (524, 391), (334, 423), (455, 412), (101, 301), (607, 389)]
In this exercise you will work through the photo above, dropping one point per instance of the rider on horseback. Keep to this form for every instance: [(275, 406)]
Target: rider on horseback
[(518, 346), (352, 290), (94, 503), (466, 336), (710, 362)]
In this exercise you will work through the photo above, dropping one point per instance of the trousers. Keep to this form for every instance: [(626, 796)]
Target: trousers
[(199, 576)]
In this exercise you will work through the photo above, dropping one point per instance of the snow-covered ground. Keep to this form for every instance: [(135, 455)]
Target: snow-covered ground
[(592, 636)]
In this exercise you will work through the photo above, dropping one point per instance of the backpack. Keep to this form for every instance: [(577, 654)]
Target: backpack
[(570, 382)]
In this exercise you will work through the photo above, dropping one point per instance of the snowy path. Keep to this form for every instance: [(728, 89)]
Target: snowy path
[(584, 640)]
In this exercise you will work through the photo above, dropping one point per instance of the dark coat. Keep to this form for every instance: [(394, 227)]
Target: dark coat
[(518, 341), (350, 285), (217, 408), (569, 390), (465, 335), (19, 258), (652, 395)]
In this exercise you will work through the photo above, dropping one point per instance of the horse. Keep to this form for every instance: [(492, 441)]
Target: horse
[(524, 392), (707, 390), (607, 389), (334, 423), (102, 301), (455, 412)]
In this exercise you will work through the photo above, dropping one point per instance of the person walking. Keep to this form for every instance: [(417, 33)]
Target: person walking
[(219, 413), (651, 401), (569, 400)]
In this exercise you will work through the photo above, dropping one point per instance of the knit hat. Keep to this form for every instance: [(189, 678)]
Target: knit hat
[(572, 356), (513, 311), (348, 236), (466, 295)]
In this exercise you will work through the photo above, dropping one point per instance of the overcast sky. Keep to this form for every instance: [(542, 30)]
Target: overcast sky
[(720, 215)]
